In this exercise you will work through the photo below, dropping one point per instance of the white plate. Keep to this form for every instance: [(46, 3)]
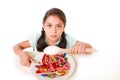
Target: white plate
[(65, 77)]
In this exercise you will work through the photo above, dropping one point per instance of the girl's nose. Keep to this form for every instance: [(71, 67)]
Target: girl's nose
[(54, 30)]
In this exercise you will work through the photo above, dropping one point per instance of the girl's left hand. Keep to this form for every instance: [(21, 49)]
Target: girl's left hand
[(79, 47)]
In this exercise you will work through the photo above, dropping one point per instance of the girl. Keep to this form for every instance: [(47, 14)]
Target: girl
[(52, 33)]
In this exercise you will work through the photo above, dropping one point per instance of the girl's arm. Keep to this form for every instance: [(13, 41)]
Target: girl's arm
[(79, 47), (24, 58)]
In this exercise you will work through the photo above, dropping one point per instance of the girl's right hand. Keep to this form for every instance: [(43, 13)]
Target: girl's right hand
[(25, 59)]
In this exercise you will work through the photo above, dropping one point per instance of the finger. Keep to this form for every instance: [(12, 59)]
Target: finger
[(28, 64), (24, 63), (72, 50), (32, 60), (75, 51), (83, 50), (79, 49)]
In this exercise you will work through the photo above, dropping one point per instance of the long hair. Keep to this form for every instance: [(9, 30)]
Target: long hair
[(41, 43)]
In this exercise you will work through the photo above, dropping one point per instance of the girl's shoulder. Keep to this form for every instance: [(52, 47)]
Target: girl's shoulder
[(33, 39), (67, 36), (36, 35), (70, 40)]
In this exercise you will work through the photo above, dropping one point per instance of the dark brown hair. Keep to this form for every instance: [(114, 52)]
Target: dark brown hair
[(41, 44)]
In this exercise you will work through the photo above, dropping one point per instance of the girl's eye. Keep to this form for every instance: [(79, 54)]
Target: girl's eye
[(58, 26), (49, 25)]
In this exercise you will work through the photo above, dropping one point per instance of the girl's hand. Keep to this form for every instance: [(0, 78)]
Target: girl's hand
[(25, 59), (79, 47)]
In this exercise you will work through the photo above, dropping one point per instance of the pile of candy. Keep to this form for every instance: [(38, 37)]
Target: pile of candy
[(52, 66)]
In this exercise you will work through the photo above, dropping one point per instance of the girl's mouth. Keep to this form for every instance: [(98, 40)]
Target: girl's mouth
[(53, 36)]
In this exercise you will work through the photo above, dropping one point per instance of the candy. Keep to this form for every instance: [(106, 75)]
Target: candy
[(62, 72), (53, 66), (53, 75), (64, 54), (44, 75)]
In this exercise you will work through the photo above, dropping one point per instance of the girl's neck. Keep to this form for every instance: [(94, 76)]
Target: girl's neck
[(51, 43)]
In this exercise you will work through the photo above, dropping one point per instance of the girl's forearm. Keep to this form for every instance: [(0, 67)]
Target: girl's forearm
[(18, 50)]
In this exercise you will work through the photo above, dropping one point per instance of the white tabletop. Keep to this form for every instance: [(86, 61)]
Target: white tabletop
[(94, 66)]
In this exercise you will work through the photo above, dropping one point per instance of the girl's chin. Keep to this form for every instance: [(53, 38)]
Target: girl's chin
[(53, 39)]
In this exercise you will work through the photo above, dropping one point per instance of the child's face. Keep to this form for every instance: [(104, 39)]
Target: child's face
[(53, 28)]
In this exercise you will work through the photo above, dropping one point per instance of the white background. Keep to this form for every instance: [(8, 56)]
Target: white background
[(94, 21)]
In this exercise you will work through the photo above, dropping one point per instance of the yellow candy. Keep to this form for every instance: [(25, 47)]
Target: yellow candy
[(61, 72)]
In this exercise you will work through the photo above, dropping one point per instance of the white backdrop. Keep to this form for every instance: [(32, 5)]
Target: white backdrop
[(94, 21)]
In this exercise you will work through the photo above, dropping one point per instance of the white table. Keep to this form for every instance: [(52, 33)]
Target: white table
[(94, 66)]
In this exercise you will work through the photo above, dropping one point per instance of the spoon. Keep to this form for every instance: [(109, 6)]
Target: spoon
[(54, 50)]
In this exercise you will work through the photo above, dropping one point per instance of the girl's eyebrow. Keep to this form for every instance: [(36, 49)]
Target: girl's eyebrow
[(48, 23), (56, 24)]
